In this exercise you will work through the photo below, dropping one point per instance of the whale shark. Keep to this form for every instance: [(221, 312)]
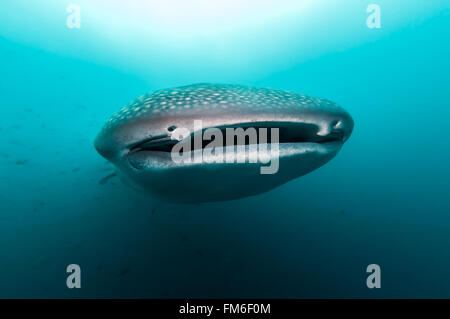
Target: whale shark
[(139, 140)]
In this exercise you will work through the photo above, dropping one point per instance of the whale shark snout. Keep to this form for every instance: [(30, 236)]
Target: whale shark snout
[(139, 139)]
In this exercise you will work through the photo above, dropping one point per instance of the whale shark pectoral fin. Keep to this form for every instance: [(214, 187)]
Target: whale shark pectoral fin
[(106, 178)]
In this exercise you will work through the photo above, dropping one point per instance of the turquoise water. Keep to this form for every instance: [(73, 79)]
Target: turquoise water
[(384, 199)]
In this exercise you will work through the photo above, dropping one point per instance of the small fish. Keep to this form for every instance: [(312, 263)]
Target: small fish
[(21, 162), (198, 252), (16, 142), (123, 272)]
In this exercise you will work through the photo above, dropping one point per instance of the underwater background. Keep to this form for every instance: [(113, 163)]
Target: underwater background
[(384, 199)]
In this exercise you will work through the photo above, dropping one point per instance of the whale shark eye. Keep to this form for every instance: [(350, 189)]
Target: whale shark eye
[(171, 128), (336, 124)]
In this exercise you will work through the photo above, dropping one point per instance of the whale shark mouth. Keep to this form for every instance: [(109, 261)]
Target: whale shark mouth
[(288, 133)]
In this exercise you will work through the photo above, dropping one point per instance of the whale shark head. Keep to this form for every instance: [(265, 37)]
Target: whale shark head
[(139, 140)]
